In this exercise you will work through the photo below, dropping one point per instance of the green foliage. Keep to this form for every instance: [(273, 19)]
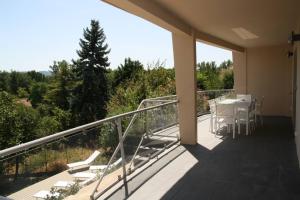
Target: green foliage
[(17, 122), (18, 79), (22, 93), (211, 77), (8, 126), (36, 76), (128, 70), (63, 117), (91, 92), (26, 119), (4, 81), (63, 193), (226, 64), (37, 92), (59, 93), (228, 79), (154, 82), (47, 126), (108, 137)]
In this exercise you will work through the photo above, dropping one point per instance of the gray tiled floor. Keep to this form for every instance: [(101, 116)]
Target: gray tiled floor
[(263, 165)]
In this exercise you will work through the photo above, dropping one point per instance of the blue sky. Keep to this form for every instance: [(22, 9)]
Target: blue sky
[(34, 33)]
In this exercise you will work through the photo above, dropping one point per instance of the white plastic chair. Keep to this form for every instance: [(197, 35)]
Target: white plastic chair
[(88, 161), (212, 108), (258, 110), (246, 97), (225, 114), (245, 115)]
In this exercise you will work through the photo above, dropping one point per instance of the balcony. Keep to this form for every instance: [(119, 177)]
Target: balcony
[(263, 164), (155, 165)]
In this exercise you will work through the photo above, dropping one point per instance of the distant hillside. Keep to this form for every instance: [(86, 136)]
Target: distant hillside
[(46, 73)]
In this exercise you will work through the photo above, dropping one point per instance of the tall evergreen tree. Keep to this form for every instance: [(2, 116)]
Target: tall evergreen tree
[(91, 93)]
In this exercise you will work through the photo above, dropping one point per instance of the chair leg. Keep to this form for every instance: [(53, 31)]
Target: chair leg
[(211, 124), (261, 120), (218, 128), (228, 128), (247, 128), (233, 135)]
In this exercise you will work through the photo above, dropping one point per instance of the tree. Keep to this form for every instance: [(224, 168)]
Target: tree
[(36, 76), (17, 124), (127, 71), (226, 64), (228, 79), (47, 126), (4, 81), (211, 75), (91, 93), (37, 92), (22, 93), (18, 79), (59, 90)]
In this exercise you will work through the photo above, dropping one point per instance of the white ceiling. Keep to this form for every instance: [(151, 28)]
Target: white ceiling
[(232, 20)]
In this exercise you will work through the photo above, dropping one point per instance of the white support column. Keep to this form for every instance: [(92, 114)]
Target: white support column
[(184, 48), (240, 71)]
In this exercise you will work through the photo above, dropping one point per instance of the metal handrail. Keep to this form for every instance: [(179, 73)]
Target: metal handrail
[(222, 90), (123, 137), (44, 140)]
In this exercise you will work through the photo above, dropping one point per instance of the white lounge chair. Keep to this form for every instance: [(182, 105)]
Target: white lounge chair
[(83, 175), (85, 178), (87, 181), (85, 162), (95, 168), (43, 194), (63, 184)]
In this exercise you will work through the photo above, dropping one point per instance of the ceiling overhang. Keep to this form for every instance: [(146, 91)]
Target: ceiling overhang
[(151, 11), (230, 24)]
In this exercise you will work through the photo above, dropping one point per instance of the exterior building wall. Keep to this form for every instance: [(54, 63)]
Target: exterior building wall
[(268, 73), (297, 118)]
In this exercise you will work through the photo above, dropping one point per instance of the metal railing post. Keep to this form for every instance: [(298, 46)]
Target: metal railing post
[(119, 127), (146, 121)]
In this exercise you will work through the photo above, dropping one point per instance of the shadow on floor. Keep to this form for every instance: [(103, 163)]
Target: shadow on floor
[(263, 165)]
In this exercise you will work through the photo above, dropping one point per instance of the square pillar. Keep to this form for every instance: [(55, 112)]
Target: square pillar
[(184, 49), (240, 71)]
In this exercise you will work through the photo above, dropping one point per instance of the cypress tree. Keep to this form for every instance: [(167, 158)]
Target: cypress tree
[(91, 92)]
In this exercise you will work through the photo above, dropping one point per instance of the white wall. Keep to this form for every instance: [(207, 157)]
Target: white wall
[(266, 71)]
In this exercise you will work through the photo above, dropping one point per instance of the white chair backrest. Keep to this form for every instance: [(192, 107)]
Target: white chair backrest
[(225, 110), (212, 105), (246, 97)]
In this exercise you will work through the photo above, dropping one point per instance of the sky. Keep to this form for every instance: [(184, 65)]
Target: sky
[(34, 33)]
